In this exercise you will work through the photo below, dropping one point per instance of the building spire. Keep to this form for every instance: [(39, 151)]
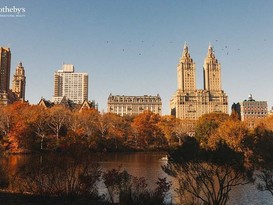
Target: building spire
[(185, 54), (210, 51), (185, 45), (19, 82)]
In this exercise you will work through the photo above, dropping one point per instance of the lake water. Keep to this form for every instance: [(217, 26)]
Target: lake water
[(148, 165)]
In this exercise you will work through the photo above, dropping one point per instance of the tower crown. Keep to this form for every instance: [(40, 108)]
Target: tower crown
[(212, 71), (185, 54), (210, 55), (19, 82), (20, 71), (186, 71)]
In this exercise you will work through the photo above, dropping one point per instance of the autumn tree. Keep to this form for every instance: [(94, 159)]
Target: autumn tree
[(113, 130), (231, 132), (167, 125), (39, 123), (117, 130), (89, 121), (4, 121), (207, 124), (267, 123), (183, 128), (260, 142), (147, 129), (5, 126), (58, 116), (18, 118), (103, 124)]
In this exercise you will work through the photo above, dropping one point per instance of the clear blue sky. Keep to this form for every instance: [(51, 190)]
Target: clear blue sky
[(132, 47)]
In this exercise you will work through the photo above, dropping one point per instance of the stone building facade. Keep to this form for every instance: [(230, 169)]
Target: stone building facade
[(191, 103), (19, 82), (133, 105), (251, 111)]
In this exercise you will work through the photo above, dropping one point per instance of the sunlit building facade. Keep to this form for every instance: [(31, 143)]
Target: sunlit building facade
[(5, 59), (134, 105), (190, 103), (19, 82), (73, 86), (251, 111)]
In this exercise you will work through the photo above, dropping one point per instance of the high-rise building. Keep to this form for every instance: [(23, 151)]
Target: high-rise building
[(5, 57), (212, 72), (251, 111), (133, 105), (71, 85), (190, 103), (19, 82)]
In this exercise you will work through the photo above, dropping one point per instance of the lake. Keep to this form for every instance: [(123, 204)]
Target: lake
[(148, 165)]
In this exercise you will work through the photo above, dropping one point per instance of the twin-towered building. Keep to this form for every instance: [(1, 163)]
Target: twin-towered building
[(190, 103)]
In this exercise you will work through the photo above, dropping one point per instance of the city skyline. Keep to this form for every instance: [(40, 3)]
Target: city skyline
[(133, 48)]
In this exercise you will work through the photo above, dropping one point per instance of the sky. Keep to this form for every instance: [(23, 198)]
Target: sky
[(132, 47)]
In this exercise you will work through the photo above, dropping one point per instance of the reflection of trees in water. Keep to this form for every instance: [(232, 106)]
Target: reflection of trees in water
[(206, 176), (58, 176), (4, 179), (205, 182), (265, 180), (77, 176)]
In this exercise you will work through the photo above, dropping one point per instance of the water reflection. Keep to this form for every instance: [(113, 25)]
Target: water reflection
[(147, 165)]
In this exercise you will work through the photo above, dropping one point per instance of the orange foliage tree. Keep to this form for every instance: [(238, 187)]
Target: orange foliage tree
[(17, 119), (147, 129), (89, 121), (231, 132), (58, 116), (207, 124), (39, 123), (167, 124)]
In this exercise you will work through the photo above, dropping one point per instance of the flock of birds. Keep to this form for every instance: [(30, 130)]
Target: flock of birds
[(225, 50)]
